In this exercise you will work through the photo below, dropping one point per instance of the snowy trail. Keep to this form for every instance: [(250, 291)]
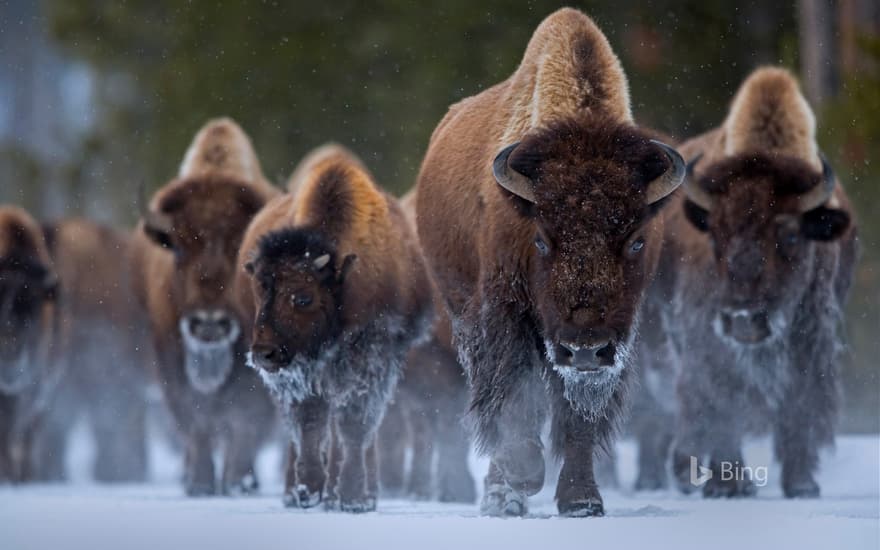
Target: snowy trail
[(83, 515)]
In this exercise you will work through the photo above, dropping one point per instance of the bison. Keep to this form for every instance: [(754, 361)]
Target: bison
[(29, 374), (425, 416), (101, 339), (537, 212), (338, 292), (758, 260), (183, 261)]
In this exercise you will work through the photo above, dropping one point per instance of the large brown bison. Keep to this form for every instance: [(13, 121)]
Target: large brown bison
[(183, 262), (537, 212), (758, 260), (28, 374), (338, 292), (425, 416), (101, 341)]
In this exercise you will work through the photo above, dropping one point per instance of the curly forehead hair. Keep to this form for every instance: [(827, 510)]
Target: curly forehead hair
[(790, 175), (589, 169), (293, 243)]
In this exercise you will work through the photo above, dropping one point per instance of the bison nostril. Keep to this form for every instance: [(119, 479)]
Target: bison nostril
[(605, 354)]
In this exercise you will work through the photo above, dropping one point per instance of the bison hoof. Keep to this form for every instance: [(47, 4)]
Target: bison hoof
[(247, 485), (200, 489), (807, 488), (586, 508), (502, 501), (307, 499), (301, 497), (358, 505), (734, 488), (650, 482)]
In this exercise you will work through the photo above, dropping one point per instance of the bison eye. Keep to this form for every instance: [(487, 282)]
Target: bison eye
[(302, 299), (542, 247), (636, 246)]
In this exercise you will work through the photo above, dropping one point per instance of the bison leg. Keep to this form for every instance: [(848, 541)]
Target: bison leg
[(373, 471), (518, 457), (239, 475), (312, 419), (654, 437), (334, 465), (577, 494), (120, 434), (454, 480), (199, 466), (499, 498), (805, 422), (290, 498), (356, 429), (51, 445), (6, 417), (423, 428), (393, 438), (729, 478)]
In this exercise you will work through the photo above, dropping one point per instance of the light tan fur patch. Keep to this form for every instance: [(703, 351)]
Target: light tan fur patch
[(221, 146), (547, 85), (769, 114)]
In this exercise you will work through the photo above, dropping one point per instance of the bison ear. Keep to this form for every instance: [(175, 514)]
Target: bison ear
[(157, 228), (698, 216), (825, 224), (345, 268)]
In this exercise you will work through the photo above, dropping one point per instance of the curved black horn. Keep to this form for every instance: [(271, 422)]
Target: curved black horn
[(692, 189), (668, 181), (817, 196), (509, 178)]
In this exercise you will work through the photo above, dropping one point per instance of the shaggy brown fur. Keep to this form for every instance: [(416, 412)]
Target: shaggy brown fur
[(426, 415), (29, 375), (752, 290), (102, 335), (338, 293), (183, 262), (512, 304)]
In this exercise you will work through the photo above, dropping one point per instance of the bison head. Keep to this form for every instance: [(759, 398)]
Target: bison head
[(764, 215), (25, 287), (297, 281), (591, 190), (201, 222)]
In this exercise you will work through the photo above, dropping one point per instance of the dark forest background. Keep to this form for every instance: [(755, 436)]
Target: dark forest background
[(97, 97)]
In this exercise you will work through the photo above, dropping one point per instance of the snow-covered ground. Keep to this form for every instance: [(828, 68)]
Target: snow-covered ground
[(159, 517)]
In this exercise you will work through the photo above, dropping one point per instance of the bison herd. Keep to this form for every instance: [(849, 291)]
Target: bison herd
[(555, 264)]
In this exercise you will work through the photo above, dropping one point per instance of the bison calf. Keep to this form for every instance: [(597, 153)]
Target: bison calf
[(183, 259), (338, 292), (760, 255), (28, 374)]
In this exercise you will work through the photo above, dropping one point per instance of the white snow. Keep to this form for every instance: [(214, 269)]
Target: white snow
[(159, 517)]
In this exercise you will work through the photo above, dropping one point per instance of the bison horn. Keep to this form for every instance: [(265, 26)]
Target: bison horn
[(509, 178), (668, 181), (695, 193), (157, 222), (817, 196), (321, 261)]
